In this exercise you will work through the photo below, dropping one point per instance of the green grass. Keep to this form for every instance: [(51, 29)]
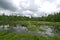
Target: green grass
[(32, 27), (3, 32), (36, 23), (40, 29), (25, 36)]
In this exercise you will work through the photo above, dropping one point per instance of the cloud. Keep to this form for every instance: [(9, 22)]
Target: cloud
[(48, 7), (29, 5), (7, 5), (34, 8)]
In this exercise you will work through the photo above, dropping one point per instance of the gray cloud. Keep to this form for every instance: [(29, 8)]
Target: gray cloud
[(51, 0), (6, 5), (58, 6), (31, 6)]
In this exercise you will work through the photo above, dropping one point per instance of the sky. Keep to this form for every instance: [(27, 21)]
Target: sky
[(35, 8)]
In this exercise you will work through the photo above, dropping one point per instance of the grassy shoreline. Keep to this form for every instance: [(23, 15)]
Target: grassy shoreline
[(24, 36), (26, 23), (32, 25)]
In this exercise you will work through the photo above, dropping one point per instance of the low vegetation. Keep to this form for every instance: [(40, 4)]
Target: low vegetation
[(32, 24), (24, 36)]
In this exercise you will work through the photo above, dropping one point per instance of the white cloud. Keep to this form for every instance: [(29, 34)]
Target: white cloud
[(58, 1), (48, 7), (36, 7)]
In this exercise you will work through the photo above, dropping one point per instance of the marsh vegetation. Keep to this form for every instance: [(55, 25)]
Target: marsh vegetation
[(15, 27)]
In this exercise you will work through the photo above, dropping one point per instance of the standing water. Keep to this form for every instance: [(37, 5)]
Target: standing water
[(48, 30)]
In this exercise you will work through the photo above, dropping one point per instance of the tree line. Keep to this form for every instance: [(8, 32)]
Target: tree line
[(51, 17)]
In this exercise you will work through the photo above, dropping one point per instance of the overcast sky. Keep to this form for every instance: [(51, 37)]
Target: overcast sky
[(30, 7)]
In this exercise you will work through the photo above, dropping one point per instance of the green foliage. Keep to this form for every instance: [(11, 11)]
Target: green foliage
[(51, 17), (3, 32), (32, 28), (54, 18), (24, 36), (40, 29)]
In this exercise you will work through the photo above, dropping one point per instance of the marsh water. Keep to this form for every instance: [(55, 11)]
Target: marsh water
[(49, 30)]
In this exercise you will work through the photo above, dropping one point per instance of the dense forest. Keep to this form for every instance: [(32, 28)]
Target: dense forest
[(51, 17)]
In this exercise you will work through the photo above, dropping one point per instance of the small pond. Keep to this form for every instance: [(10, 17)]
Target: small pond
[(48, 30)]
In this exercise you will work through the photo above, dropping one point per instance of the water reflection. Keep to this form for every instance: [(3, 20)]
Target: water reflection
[(48, 30), (4, 27), (22, 29)]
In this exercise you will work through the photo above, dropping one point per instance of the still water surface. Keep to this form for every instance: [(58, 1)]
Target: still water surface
[(49, 30)]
